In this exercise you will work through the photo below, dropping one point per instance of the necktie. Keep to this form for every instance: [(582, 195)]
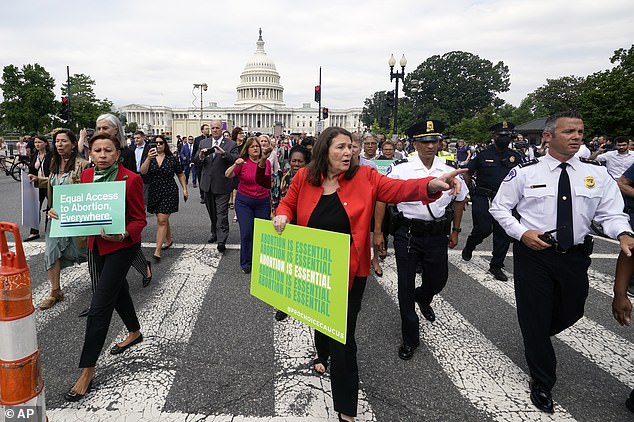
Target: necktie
[(564, 210)]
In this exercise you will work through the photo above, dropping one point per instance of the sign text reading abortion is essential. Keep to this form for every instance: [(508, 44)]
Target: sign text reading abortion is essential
[(85, 208), (303, 272)]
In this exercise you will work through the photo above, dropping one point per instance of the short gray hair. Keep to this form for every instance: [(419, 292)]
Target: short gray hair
[(114, 121), (551, 122)]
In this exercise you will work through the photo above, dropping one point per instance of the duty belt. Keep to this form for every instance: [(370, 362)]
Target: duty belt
[(425, 228), (486, 192)]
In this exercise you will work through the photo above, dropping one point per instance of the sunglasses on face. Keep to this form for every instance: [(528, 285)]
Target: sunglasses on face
[(160, 143)]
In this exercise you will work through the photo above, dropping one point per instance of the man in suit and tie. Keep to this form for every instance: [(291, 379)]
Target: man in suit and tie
[(140, 149), (215, 155), (186, 155), (204, 134)]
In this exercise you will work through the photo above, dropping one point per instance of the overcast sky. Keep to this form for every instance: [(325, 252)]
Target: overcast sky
[(151, 52)]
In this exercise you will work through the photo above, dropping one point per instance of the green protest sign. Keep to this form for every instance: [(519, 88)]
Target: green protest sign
[(383, 165), (303, 272), (85, 208)]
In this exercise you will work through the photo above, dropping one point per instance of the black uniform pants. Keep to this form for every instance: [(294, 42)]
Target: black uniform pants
[(431, 252), (550, 292), (344, 370), (111, 292), (483, 225)]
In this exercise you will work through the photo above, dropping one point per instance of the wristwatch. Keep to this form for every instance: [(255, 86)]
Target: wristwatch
[(630, 234), (456, 229)]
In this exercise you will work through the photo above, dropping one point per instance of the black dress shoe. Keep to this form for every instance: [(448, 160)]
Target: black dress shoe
[(147, 279), (498, 274), (246, 270), (541, 398), (467, 253), (629, 403), (212, 239), (427, 312), (72, 396), (406, 352), (32, 237), (84, 313), (116, 349), (221, 247), (280, 315)]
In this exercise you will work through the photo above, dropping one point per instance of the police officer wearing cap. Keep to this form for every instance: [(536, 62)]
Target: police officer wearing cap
[(423, 233), (561, 194), (490, 166)]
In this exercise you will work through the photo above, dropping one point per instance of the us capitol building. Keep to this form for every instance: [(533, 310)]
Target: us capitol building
[(259, 107)]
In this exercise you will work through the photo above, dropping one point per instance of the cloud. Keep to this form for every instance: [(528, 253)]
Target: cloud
[(152, 52)]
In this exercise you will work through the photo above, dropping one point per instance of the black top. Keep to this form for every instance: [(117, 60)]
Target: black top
[(491, 166), (330, 215)]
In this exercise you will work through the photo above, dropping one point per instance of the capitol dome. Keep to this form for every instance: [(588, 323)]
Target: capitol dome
[(259, 81)]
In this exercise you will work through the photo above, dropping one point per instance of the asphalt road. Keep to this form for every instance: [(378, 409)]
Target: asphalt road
[(212, 352)]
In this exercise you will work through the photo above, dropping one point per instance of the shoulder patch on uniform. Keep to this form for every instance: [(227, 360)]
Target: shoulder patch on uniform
[(588, 161), (510, 176), (529, 163), (397, 162)]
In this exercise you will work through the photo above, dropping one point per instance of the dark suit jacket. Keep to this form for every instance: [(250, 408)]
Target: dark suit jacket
[(213, 178), (146, 179), (46, 164), (185, 155), (197, 143)]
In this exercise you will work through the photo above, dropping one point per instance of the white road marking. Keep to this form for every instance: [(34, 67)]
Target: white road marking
[(167, 322), (607, 350), (482, 373), (298, 391)]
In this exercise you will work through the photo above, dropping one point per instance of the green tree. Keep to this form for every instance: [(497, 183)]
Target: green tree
[(455, 86), (559, 94), (607, 103), (29, 100), (476, 129), (376, 109), (85, 106)]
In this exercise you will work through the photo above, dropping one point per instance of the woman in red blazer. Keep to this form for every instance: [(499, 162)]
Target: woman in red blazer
[(334, 193), (110, 258)]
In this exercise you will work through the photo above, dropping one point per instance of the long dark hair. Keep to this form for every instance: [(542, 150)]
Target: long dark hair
[(166, 147), (318, 166), (56, 159)]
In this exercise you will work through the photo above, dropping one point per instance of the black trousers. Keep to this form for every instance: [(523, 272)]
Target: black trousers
[(431, 252), (344, 370), (218, 210), (550, 292), (111, 292), (483, 225)]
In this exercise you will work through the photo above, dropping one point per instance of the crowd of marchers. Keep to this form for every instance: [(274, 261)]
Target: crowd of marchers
[(543, 199)]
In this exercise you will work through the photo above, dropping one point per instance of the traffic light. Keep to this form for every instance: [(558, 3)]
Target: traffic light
[(324, 113), (65, 109), (317, 93), (390, 99)]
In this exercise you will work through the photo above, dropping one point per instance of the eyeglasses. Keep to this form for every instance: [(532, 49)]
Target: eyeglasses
[(160, 143)]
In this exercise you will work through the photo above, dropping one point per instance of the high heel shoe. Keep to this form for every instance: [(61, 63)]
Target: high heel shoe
[(146, 278), (378, 273), (166, 247), (156, 258)]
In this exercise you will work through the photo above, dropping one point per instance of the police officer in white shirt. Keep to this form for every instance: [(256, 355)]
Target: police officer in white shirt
[(563, 194), (423, 233)]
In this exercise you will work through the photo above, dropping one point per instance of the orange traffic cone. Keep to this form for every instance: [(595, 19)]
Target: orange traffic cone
[(21, 384)]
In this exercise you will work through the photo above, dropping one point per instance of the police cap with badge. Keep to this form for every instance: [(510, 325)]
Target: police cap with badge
[(426, 131)]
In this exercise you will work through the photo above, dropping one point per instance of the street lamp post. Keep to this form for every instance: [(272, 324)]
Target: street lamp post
[(203, 87), (396, 75)]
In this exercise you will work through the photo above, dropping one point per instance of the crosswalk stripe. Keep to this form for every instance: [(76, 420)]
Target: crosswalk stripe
[(294, 381), (481, 372), (167, 322), (607, 350)]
